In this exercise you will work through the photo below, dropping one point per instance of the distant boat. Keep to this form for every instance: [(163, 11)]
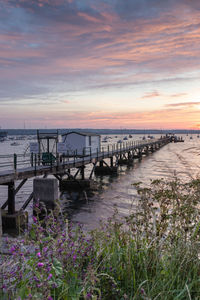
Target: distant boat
[(21, 137), (125, 138), (191, 137), (144, 138), (14, 144), (130, 136), (119, 141)]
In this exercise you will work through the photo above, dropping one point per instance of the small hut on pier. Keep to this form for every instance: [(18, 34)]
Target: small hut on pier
[(81, 143)]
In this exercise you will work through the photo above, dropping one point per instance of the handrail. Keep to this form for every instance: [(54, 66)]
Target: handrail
[(17, 161)]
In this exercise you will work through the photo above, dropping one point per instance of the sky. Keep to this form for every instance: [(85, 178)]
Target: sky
[(100, 64)]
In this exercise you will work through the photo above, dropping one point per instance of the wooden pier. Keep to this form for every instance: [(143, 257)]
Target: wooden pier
[(105, 161)]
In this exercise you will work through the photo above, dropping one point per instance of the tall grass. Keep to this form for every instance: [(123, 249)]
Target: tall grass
[(151, 254)]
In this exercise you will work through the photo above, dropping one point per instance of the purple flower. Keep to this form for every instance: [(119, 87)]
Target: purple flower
[(36, 279), (48, 268), (74, 257), (49, 277), (34, 219), (50, 298), (40, 264), (89, 296), (12, 249), (142, 291), (39, 254)]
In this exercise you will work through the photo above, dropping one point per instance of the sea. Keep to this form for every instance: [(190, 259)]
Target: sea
[(180, 160)]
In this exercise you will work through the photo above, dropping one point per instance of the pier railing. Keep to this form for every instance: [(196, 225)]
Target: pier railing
[(14, 162)]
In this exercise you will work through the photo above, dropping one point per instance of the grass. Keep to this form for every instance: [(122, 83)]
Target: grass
[(151, 254)]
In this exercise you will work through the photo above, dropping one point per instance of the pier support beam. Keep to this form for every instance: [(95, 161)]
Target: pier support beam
[(77, 184), (82, 171), (125, 161), (111, 161), (0, 225), (11, 198), (105, 169), (13, 222), (101, 163), (45, 190)]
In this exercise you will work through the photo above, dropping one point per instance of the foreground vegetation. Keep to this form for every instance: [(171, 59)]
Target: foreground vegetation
[(151, 254)]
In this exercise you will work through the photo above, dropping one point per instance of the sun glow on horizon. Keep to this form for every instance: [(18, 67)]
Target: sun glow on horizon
[(72, 64)]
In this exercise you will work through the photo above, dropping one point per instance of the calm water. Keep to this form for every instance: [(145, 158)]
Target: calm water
[(181, 159)]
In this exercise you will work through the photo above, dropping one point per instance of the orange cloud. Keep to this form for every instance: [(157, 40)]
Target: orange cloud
[(151, 95), (183, 104)]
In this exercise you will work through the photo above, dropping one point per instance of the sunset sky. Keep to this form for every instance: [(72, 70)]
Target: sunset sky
[(100, 64)]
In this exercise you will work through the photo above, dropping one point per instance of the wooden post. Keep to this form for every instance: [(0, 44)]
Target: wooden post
[(74, 158), (101, 163), (15, 161), (82, 172), (35, 162), (48, 145), (97, 153), (11, 198), (31, 159), (111, 161)]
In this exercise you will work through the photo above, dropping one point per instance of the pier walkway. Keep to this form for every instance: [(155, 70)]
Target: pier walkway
[(18, 167)]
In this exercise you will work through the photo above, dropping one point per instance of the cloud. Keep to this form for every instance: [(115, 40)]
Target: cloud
[(151, 95), (178, 95), (183, 104), (49, 47)]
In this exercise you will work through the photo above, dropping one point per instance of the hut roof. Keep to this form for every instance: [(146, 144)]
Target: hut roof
[(81, 133)]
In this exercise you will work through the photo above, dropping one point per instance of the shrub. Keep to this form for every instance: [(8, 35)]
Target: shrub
[(151, 254)]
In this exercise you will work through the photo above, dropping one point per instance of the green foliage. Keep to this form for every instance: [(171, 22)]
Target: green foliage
[(151, 254)]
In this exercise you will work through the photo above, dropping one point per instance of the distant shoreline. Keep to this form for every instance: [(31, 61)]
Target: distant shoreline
[(102, 131)]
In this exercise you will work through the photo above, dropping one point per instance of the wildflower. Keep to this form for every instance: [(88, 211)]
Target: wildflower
[(142, 291), (40, 264), (74, 257), (50, 298), (88, 296), (12, 249), (48, 268), (36, 279), (34, 219), (49, 277), (39, 254)]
